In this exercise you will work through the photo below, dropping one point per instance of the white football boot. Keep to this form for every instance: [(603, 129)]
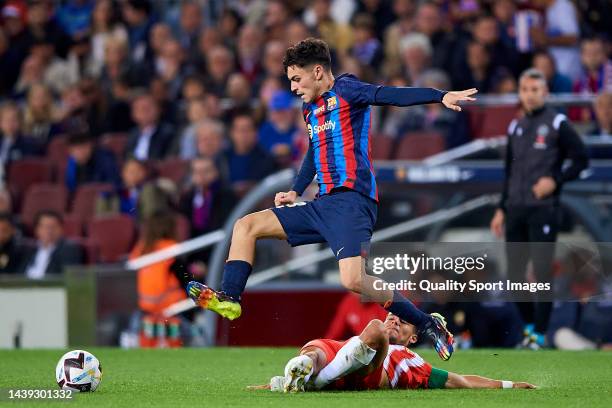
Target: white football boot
[(297, 373)]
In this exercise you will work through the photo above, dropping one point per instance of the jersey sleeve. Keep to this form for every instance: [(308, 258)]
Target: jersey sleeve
[(363, 93), (306, 173)]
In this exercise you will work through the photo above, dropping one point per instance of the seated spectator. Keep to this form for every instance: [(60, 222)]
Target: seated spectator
[(220, 65), (366, 47), (138, 195), (432, 117), (557, 82), (13, 144), (206, 203), (416, 52), (74, 115), (248, 163), (595, 76), (151, 139), (13, 254), (239, 92), (158, 285), (277, 132), (196, 113), (503, 82), (40, 115), (352, 316), (88, 163), (117, 116), (473, 69), (210, 143), (52, 252), (603, 115)]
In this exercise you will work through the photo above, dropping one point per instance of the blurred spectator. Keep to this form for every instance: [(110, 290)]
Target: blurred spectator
[(138, 16), (405, 11), (432, 117), (124, 200), (557, 82), (74, 116), (228, 27), (190, 22), (14, 16), (560, 35), (170, 67), (117, 116), (603, 114), (150, 139), (475, 71), (366, 48), (118, 66), (88, 163), (352, 316), (380, 12), (239, 91), (74, 17), (596, 75), (13, 254), (42, 23), (104, 25), (158, 285), (6, 202), (486, 31), (196, 113), (503, 82), (276, 19), (32, 71), (40, 115), (277, 131), (416, 55), (336, 34), (429, 21), (52, 252), (210, 37), (248, 163), (296, 32), (206, 203), (249, 50), (220, 64), (158, 35), (58, 73), (581, 325), (9, 65), (273, 61), (14, 145)]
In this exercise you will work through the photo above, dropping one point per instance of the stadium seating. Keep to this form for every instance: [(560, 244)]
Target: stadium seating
[(73, 226), (113, 234), (382, 147), (419, 145), (43, 196), (490, 121), (23, 173), (84, 202), (173, 169)]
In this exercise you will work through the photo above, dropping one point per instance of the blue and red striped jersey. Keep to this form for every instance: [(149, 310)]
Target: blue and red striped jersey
[(338, 123)]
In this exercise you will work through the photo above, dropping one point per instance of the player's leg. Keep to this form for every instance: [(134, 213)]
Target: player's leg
[(361, 355), (431, 326), (247, 230), (476, 381)]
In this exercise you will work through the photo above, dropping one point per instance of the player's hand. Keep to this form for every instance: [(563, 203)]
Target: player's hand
[(524, 385), (544, 187), (285, 198), (497, 223), (451, 99)]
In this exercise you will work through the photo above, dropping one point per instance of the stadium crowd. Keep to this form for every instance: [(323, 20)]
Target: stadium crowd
[(118, 113)]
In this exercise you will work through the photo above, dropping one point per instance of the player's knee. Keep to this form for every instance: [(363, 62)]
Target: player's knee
[(245, 227), (374, 334)]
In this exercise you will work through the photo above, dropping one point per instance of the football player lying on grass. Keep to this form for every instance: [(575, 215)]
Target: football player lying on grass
[(378, 358)]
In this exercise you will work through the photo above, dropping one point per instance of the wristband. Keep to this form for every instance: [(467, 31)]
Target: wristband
[(507, 384)]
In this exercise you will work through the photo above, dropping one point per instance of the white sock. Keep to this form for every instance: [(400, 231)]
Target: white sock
[(354, 355)]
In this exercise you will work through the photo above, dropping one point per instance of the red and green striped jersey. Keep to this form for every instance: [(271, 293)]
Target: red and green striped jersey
[(338, 123)]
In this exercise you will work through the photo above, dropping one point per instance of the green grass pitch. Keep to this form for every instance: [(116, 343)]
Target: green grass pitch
[(217, 377)]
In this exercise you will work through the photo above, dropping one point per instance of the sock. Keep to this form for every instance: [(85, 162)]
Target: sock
[(406, 310), (235, 275), (354, 355)]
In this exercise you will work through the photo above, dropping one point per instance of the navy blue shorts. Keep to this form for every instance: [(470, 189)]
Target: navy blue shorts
[(344, 219)]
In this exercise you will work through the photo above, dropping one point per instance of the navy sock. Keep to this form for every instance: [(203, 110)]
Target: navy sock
[(235, 275), (406, 310)]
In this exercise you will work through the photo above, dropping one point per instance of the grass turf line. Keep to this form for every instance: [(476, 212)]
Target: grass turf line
[(217, 377)]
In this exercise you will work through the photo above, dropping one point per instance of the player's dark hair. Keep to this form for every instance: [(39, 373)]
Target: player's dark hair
[(48, 213), (308, 52)]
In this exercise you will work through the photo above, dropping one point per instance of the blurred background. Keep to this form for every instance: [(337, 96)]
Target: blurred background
[(130, 126)]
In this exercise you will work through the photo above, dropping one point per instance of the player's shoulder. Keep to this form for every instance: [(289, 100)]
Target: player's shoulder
[(346, 81)]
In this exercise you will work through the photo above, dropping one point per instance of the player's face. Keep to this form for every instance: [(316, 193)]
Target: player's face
[(305, 81), (399, 331), (532, 93)]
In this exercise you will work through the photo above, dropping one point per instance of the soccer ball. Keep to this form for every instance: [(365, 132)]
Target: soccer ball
[(78, 370)]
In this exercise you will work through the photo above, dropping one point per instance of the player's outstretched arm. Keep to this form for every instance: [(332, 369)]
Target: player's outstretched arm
[(476, 381), (451, 99)]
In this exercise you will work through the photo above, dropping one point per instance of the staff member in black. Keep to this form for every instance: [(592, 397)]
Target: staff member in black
[(538, 144)]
